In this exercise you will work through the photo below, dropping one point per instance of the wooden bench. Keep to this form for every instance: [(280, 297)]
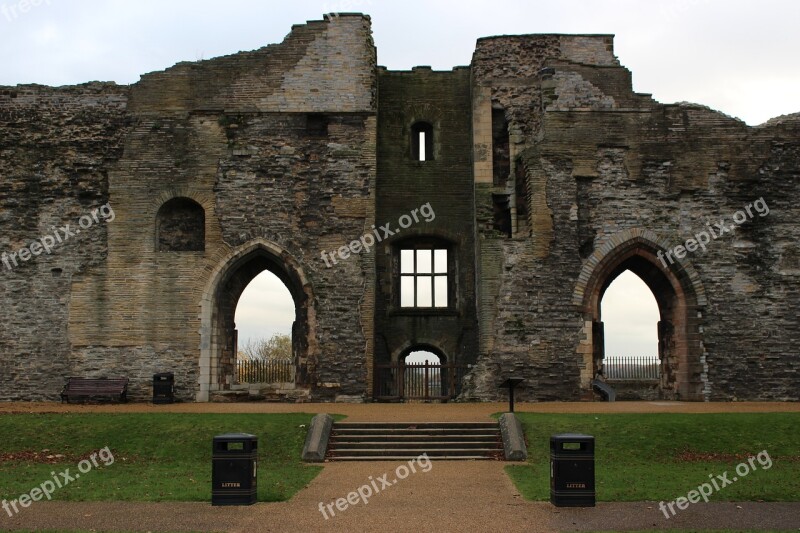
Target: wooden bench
[(116, 388)]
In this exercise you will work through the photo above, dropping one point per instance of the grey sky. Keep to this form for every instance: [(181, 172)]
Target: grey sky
[(265, 309), (735, 56), (739, 57)]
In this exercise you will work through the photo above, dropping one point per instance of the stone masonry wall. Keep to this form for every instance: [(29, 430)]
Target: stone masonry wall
[(599, 162), (675, 172), (310, 195), (444, 183), (231, 135), (548, 169), (56, 145)]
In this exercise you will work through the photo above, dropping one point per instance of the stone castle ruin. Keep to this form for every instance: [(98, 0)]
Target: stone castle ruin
[(501, 199)]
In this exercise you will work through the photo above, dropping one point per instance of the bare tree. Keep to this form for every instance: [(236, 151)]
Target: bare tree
[(278, 346)]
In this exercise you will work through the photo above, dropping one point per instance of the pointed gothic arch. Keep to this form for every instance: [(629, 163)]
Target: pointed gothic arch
[(217, 333), (681, 301)]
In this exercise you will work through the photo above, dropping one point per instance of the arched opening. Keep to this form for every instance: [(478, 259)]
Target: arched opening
[(425, 376), (422, 356), (219, 342), (629, 317), (679, 298), (263, 320), (181, 226)]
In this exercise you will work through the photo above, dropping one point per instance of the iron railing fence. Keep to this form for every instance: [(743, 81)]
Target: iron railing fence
[(265, 371), (639, 367), (418, 381)]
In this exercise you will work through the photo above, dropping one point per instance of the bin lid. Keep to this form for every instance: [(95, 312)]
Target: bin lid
[(571, 436), (235, 436)]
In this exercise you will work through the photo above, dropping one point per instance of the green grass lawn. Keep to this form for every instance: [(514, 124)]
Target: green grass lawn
[(157, 457), (664, 456)]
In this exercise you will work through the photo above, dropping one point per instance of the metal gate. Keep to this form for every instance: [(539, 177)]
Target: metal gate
[(418, 381)]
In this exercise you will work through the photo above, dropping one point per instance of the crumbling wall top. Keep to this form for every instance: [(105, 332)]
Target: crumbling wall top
[(321, 66)]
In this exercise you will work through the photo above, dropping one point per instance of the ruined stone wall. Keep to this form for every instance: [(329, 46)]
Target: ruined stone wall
[(56, 146), (520, 333), (549, 177), (311, 194), (230, 134), (603, 167), (674, 172)]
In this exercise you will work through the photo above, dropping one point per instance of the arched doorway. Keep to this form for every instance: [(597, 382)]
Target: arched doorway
[(424, 377), (680, 299), (265, 314), (419, 372), (630, 316), (218, 331)]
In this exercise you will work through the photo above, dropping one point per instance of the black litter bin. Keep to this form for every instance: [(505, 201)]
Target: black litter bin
[(233, 471), (164, 387), (572, 470)]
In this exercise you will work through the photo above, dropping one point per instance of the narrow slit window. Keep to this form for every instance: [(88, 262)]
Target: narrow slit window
[(422, 141)]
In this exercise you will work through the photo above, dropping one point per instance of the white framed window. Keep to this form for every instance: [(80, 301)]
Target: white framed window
[(424, 278)]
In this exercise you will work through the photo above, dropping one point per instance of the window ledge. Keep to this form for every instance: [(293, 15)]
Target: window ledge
[(423, 311)]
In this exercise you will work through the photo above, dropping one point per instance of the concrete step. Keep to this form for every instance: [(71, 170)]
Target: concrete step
[(414, 456), (410, 431), (415, 452), (418, 425), (408, 440), (414, 438), (422, 445)]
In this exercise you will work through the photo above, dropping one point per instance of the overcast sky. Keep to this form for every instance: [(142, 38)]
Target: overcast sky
[(740, 57)]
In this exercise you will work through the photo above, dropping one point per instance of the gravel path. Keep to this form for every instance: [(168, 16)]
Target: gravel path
[(408, 412), (450, 496)]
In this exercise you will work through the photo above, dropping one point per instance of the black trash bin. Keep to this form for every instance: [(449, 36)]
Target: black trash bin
[(233, 471), (572, 470), (164, 387)]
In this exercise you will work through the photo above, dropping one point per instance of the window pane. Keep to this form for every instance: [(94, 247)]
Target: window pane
[(440, 284), (406, 291), (425, 291), (440, 261), (424, 261), (422, 155), (407, 261)]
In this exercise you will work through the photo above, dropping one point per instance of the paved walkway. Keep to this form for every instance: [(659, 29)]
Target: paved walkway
[(450, 496)]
